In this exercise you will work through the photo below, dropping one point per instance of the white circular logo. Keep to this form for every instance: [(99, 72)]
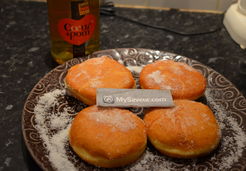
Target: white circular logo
[(108, 99)]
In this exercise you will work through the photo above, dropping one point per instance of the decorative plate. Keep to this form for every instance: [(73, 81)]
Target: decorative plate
[(48, 112)]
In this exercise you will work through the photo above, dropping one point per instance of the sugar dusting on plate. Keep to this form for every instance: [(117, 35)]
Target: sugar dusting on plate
[(233, 137), (48, 119), (136, 69), (233, 140)]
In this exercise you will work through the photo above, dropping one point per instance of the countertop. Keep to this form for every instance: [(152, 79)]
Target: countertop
[(25, 57)]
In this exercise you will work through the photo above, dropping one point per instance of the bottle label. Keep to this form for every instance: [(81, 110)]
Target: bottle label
[(77, 32), (83, 8)]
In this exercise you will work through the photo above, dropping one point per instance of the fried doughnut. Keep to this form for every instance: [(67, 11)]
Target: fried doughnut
[(187, 130), (83, 79), (107, 137), (183, 80)]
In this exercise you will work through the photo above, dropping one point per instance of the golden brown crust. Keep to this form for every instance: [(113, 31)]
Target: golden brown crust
[(183, 81), (103, 72), (187, 130), (108, 134)]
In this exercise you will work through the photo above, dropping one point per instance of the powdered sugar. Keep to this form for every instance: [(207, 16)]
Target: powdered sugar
[(176, 69), (57, 151), (159, 79), (189, 121), (82, 74), (205, 117), (79, 74), (150, 157), (166, 87), (46, 120), (99, 61), (58, 120), (126, 81), (186, 67), (95, 82), (156, 76), (234, 141), (118, 120), (170, 114), (136, 69)]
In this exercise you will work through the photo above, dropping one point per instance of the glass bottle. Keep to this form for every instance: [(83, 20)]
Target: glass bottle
[(74, 28)]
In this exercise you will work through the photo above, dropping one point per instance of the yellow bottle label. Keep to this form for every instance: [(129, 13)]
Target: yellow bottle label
[(83, 8)]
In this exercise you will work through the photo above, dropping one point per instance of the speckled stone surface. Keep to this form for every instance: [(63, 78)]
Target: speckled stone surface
[(25, 57)]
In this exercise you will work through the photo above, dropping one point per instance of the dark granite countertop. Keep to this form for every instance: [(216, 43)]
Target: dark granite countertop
[(25, 57)]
